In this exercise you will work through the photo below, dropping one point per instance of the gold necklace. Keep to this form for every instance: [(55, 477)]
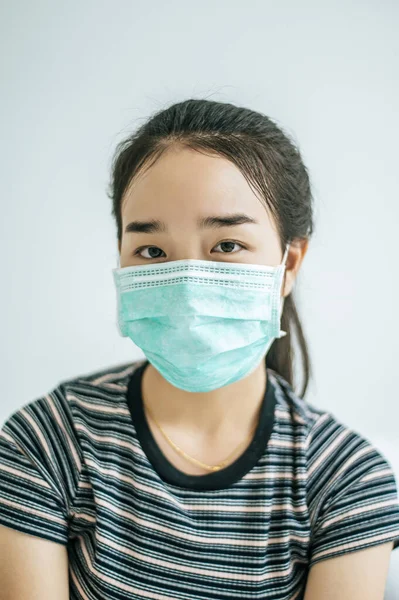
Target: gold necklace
[(190, 458)]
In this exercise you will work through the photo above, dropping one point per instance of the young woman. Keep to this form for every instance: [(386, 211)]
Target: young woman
[(198, 472)]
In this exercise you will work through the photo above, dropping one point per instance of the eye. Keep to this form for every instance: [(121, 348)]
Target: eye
[(153, 251), (228, 246)]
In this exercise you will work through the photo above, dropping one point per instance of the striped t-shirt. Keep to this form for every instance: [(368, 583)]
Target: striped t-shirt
[(79, 466)]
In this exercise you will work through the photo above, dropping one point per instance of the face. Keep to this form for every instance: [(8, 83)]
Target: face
[(179, 192)]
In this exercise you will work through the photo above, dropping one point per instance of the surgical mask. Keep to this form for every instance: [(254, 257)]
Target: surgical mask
[(202, 324)]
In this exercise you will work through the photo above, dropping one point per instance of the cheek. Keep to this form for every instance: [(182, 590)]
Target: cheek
[(268, 252)]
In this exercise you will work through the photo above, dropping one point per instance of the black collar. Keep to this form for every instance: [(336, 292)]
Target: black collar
[(210, 481)]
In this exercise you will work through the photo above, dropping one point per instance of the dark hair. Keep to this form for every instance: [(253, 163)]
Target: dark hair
[(267, 158)]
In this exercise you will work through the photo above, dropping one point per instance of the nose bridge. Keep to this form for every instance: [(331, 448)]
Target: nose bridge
[(186, 245)]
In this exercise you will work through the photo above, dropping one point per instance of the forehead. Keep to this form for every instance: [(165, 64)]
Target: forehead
[(189, 181)]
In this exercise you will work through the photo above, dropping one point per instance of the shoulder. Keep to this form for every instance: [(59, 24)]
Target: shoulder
[(291, 405), (41, 453), (46, 431), (328, 442), (351, 490), (55, 408), (107, 376)]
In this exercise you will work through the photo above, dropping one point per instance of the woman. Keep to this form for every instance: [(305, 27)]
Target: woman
[(198, 471)]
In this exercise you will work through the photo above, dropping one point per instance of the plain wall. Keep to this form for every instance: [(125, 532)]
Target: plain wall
[(78, 76)]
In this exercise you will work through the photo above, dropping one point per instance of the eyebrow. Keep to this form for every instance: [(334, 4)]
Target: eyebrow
[(212, 222)]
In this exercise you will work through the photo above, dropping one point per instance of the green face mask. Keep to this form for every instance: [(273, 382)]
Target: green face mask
[(202, 324)]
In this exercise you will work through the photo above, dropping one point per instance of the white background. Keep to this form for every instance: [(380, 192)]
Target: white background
[(78, 76)]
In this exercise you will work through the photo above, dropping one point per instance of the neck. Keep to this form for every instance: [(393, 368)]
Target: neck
[(232, 408)]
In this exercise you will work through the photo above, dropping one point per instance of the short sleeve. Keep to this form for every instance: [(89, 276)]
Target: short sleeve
[(33, 497), (353, 493)]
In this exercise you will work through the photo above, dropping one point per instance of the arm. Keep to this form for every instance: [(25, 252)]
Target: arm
[(32, 567), (354, 514), (38, 475), (359, 575)]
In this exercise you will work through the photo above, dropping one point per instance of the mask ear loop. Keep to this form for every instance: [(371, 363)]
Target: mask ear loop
[(283, 333), (286, 253)]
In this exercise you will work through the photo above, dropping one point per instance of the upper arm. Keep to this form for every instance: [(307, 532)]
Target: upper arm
[(32, 567), (38, 470), (37, 480), (354, 515), (359, 575), (352, 495)]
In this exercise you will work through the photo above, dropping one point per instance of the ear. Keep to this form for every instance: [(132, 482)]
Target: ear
[(295, 256)]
